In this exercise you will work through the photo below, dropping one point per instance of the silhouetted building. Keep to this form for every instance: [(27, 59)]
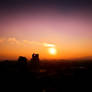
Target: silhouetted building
[(22, 60), (35, 63), (35, 58), (22, 64)]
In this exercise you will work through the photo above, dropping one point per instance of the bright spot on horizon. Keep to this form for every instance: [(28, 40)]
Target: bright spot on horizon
[(52, 51)]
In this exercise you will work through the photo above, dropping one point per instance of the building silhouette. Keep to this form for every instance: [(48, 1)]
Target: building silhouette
[(35, 63), (22, 64), (35, 58), (22, 60)]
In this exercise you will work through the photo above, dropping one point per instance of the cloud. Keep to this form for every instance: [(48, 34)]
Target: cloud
[(1, 40), (38, 43), (13, 40), (32, 42), (49, 45)]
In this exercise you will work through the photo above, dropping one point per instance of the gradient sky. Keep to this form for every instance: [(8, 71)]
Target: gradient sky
[(25, 27)]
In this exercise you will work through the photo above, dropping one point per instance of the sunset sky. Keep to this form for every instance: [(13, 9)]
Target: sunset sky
[(36, 27)]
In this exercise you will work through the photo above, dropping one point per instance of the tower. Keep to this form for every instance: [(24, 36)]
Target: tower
[(35, 58), (35, 63)]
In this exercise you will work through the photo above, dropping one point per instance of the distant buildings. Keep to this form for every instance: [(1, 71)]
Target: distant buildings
[(34, 64)]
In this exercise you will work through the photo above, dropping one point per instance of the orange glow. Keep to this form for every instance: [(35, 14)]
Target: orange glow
[(11, 49), (52, 51), (57, 37)]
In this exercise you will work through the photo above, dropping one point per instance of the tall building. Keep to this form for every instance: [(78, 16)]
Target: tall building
[(35, 63), (35, 58)]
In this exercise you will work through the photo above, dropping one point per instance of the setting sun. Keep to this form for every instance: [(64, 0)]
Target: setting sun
[(37, 26), (52, 51)]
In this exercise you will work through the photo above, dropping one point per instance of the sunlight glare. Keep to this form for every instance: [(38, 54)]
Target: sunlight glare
[(52, 51)]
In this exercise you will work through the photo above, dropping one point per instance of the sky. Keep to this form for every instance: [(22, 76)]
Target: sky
[(36, 26)]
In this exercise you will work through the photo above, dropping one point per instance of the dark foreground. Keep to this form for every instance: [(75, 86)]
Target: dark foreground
[(70, 76)]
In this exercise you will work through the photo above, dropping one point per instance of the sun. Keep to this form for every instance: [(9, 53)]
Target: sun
[(52, 51)]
